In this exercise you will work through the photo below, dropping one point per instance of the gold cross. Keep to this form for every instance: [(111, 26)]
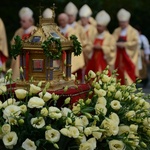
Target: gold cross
[(53, 9)]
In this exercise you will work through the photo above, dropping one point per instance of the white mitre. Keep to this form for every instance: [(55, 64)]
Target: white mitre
[(47, 13), (25, 12), (71, 9), (123, 15), (85, 11), (103, 18)]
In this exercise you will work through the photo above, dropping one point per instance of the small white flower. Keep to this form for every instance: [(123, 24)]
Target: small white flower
[(44, 112), (74, 132), (10, 139), (34, 89), (76, 109), (111, 88), (88, 145), (3, 89), (118, 95), (115, 118), (23, 108), (105, 78), (65, 132), (21, 93), (102, 100), (65, 111), (88, 131), (85, 121), (116, 145), (52, 135), (100, 92), (100, 109), (54, 113), (38, 122), (123, 129), (29, 145), (8, 102), (35, 102), (6, 128), (130, 114), (46, 97), (91, 74), (133, 128), (115, 105)]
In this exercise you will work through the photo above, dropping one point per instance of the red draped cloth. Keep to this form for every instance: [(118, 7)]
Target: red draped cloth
[(3, 58), (98, 61), (123, 63)]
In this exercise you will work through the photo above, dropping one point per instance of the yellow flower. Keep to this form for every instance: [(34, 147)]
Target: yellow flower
[(21, 93), (102, 100), (74, 132), (3, 89), (116, 145), (46, 96), (91, 74), (34, 89), (52, 135), (44, 112), (38, 122), (115, 105), (123, 129), (6, 128), (35, 102), (29, 145), (10, 139)]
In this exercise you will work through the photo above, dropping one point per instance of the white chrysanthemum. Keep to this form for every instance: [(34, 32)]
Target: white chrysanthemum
[(116, 145), (52, 135), (6, 128), (46, 97), (115, 105), (11, 110), (35, 102), (29, 145), (38, 122), (10, 139), (21, 93), (34, 89)]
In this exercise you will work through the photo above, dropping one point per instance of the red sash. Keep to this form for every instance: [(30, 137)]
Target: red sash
[(3, 58), (97, 62), (124, 63), (26, 36)]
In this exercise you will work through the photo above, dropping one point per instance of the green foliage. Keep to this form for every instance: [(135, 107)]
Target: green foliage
[(16, 48), (52, 43), (77, 45)]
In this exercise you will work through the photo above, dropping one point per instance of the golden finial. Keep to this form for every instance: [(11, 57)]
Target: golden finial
[(53, 9)]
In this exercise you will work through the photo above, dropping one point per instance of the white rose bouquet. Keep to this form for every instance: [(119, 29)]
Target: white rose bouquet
[(111, 117)]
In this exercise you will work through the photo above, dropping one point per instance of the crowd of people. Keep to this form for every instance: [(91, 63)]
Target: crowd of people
[(126, 49)]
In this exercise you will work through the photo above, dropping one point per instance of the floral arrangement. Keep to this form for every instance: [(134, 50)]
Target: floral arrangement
[(111, 117)]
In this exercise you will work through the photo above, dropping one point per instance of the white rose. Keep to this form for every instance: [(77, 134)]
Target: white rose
[(85, 121), (115, 105), (116, 145), (118, 95), (102, 100), (54, 113), (65, 111), (8, 102), (79, 123), (115, 118), (86, 146), (110, 126), (65, 132), (92, 141), (91, 74), (6, 128), (3, 89), (23, 108), (130, 114), (74, 132), (123, 129), (38, 122), (35, 102), (88, 131), (100, 109), (82, 138), (21, 93), (46, 97), (52, 135), (44, 112), (34, 89), (100, 92), (111, 88), (10, 139), (105, 78), (29, 145), (11, 110), (133, 128)]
